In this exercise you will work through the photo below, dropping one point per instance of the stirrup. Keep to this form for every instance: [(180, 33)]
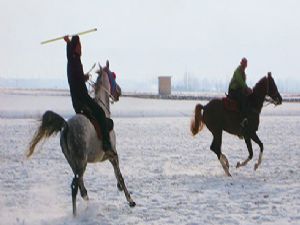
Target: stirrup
[(244, 122)]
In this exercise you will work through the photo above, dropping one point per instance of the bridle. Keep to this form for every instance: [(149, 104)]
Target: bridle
[(92, 84), (268, 98), (103, 104)]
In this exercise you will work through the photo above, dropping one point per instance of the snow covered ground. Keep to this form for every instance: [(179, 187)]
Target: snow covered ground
[(173, 177)]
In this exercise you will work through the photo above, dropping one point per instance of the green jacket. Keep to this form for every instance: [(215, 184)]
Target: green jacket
[(238, 81)]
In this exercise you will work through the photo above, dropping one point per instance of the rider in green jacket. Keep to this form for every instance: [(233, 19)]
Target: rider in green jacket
[(239, 90)]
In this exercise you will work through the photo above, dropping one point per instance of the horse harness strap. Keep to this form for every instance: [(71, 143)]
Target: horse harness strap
[(103, 104)]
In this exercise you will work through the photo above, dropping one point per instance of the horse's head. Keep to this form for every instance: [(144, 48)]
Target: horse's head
[(104, 85), (117, 93), (272, 90)]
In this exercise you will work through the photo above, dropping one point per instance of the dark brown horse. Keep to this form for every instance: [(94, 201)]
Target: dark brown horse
[(217, 119)]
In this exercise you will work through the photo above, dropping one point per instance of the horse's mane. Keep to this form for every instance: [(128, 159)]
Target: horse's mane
[(259, 85), (99, 80)]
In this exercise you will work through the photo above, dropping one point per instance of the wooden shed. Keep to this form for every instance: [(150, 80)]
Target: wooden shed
[(164, 85)]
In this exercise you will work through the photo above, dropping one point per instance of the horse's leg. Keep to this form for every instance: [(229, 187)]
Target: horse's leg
[(225, 164), (120, 188), (72, 162), (216, 148), (250, 150), (74, 188), (83, 191), (256, 139), (77, 182), (225, 160), (115, 162)]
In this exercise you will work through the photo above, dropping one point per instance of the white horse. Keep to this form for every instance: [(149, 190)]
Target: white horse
[(79, 140)]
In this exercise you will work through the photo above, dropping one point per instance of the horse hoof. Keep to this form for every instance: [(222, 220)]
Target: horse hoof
[(132, 204), (238, 165), (85, 198), (255, 166)]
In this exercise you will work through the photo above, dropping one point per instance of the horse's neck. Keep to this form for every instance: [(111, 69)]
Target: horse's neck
[(257, 98), (102, 99), (101, 93)]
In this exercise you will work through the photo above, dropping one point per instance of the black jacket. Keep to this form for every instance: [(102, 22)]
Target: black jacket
[(80, 97), (76, 79)]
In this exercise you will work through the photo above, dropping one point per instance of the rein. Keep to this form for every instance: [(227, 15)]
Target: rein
[(269, 101), (103, 104), (107, 92), (93, 84)]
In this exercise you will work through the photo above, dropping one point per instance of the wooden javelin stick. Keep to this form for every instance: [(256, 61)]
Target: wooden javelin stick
[(62, 37)]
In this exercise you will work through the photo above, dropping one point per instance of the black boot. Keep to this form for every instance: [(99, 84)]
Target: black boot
[(107, 146), (245, 127)]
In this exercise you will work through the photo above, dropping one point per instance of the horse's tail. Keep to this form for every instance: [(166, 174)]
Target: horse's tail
[(197, 122), (51, 123)]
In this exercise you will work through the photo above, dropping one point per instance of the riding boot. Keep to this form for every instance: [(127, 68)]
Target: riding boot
[(107, 148), (244, 109), (106, 145), (106, 139), (245, 124)]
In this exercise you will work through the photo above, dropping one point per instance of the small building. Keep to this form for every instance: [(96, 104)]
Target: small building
[(164, 85)]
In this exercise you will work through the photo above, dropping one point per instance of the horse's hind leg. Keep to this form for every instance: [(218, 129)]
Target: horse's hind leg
[(119, 186), (115, 162), (250, 150), (116, 158), (78, 183), (225, 164), (216, 148), (83, 191), (256, 139), (74, 188)]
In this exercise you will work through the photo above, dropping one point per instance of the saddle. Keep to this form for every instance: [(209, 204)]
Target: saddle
[(230, 104), (109, 122)]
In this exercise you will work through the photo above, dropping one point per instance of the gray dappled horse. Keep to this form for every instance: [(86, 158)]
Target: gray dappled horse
[(217, 119), (79, 140)]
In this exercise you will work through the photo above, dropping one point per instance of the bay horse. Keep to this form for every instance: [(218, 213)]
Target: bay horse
[(80, 141), (218, 119)]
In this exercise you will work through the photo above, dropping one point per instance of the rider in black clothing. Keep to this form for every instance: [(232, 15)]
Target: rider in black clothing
[(78, 89)]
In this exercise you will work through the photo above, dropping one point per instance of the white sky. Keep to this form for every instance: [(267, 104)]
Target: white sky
[(144, 39)]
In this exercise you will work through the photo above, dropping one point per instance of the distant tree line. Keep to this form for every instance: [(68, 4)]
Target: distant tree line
[(193, 83)]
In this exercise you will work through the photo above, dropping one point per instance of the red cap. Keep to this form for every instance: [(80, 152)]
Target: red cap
[(244, 62)]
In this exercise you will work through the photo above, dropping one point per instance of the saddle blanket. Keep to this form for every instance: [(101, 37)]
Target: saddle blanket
[(109, 124), (230, 104)]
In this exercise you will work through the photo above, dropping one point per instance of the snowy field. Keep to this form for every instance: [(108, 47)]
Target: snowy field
[(174, 178)]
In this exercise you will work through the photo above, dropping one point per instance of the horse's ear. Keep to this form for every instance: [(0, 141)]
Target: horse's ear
[(269, 74), (100, 70)]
